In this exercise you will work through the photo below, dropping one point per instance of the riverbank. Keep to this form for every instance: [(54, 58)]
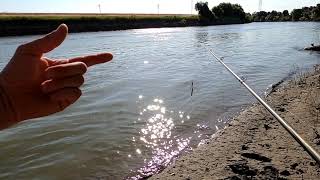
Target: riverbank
[(32, 24), (255, 146)]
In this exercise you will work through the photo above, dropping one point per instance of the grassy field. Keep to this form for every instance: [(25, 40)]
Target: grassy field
[(90, 14), (78, 16), (12, 24), (16, 24)]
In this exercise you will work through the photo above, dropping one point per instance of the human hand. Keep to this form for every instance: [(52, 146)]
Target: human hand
[(34, 86)]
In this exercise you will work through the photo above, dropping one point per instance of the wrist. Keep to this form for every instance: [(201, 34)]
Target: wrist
[(8, 115)]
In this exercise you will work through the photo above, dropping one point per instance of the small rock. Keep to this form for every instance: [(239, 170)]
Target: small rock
[(257, 157), (281, 178), (267, 127), (317, 135), (268, 145), (285, 173), (316, 141), (172, 174), (233, 178), (270, 172), (293, 166), (300, 171), (242, 168), (265, 145), (207, 169), (312, 163), (244, 147)]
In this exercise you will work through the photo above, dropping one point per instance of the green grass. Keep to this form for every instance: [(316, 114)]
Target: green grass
[(22, 24), (8, 18)]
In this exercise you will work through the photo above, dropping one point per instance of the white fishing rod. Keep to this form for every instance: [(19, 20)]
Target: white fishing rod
[(313, 153)]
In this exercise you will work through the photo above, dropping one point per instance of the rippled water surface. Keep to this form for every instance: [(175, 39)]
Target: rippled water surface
[(138, 112)]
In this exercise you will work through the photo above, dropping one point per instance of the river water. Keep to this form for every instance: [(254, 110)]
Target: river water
[(160, 96)]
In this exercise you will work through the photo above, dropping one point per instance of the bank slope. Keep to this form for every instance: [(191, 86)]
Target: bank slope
[(255, 145)]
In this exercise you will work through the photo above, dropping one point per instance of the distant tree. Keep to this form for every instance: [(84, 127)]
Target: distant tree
[(306, 13), (316, 13), (311, 13), (285, 13), (259, 16), (218, 11), (229, 11), (248, 18), (268, 17), (223, 13), (204, 11), (239, 12), (296, 14), (273, 16), (285, 16)]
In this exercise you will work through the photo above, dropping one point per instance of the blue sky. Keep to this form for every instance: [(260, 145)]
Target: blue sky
[(139, 6)]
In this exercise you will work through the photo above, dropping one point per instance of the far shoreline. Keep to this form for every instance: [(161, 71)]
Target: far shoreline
[(12, 24)]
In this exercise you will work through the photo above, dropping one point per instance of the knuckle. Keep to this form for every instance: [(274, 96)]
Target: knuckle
[(76, 81), (22, 48), (83, 68), (63, 106), (77, 93), (81, 80), (57, 69)]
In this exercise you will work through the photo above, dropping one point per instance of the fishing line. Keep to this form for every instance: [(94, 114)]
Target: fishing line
[(193, 89), (284, 124)]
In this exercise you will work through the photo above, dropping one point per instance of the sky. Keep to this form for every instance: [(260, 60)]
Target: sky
[(140, 6)]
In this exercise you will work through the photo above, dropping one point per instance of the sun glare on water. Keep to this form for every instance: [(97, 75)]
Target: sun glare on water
[(156, 135)]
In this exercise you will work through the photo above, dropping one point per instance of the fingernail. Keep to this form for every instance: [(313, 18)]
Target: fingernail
[(110, 56), (64, 26)]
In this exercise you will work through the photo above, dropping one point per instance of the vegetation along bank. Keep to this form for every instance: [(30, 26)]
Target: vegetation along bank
[(27, 24), (12, 24)]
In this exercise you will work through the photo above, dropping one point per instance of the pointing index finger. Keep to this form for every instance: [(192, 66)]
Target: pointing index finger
[(93, 59)]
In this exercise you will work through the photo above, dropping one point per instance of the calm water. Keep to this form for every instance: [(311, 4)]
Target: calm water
[(137, 112)]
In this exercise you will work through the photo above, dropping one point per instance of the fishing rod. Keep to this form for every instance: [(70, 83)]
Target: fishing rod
[(313, 153)]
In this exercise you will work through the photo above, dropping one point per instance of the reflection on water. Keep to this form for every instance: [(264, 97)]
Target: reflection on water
[(202, 37), (161, 95), (157, 136)]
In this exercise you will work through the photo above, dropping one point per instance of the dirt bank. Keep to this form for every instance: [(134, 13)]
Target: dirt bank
[(255, 146)]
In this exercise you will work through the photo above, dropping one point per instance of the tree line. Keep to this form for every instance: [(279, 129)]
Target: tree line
[(234, 13), (223, 13), (311, 13)]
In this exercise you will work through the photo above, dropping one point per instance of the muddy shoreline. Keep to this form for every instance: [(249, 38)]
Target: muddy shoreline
[(255, 146)]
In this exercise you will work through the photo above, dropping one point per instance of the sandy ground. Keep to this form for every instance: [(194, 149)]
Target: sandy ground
[(255, 146)]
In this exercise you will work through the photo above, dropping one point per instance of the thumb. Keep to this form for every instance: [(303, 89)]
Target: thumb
[(46, 43)]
